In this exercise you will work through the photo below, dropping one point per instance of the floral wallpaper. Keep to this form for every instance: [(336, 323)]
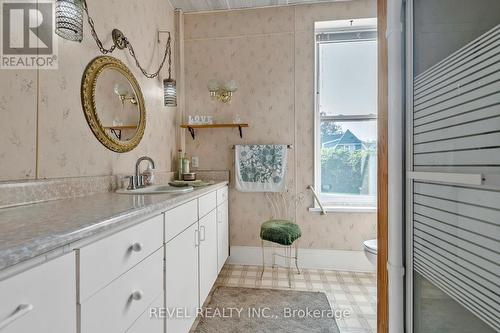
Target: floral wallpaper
[(269, 52), (44, 133), (18, 124)]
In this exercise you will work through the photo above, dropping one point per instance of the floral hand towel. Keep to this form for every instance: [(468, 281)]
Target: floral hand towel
[(260, 168)]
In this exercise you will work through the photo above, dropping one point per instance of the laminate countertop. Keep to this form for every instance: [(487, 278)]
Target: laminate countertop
[(34, 230)]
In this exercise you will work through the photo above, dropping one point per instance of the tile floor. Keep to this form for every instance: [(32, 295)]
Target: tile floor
[(355, 292)]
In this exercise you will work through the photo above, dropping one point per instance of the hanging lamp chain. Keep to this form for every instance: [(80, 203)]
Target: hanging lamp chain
[(94, 33), (121, 42)]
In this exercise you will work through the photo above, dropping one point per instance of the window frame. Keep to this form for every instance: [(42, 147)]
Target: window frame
[(337, 202)]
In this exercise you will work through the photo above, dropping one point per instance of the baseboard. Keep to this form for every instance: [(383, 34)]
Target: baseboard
[(354, 261)]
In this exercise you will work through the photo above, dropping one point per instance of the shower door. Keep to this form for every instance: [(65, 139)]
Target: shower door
[(453, 167)]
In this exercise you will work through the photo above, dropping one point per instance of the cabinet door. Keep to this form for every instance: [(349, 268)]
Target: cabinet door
[(41, 300), (150, 320), (181, 280), (222, 234), (208, 253)]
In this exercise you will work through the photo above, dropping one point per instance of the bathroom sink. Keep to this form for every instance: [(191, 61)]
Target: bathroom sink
[(159, 189)]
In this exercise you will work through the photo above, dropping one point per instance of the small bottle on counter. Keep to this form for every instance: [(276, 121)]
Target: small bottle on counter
[(179, 164), (185, 165)]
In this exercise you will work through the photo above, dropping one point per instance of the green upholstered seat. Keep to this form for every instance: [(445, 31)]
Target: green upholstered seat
[(280, 231)]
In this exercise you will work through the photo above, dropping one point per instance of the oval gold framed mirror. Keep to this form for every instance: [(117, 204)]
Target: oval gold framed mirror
[(113, 104)]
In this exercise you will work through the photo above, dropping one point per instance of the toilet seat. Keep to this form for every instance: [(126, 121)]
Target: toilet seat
[(370, 246)]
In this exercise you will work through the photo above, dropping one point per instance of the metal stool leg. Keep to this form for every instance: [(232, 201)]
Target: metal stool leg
[(297, 256), (288, 263), (274, 256), (263, 261)]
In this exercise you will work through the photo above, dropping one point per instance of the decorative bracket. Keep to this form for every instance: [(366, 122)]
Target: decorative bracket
[(191, 131), (117, 133), (119, 39)]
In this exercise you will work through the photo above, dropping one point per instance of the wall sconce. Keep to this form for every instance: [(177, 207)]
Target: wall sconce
[(222, 93), (123, 93)]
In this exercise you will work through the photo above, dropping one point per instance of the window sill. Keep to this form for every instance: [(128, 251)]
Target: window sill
[(345, 209)]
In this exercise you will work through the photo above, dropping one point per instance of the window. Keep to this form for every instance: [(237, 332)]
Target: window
[(346, 116)]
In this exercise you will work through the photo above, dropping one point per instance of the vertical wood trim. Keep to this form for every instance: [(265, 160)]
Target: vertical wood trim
[(382, 176), (178, 36)]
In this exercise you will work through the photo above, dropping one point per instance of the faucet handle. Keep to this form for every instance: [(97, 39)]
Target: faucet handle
[(142, 180), (131, 182)]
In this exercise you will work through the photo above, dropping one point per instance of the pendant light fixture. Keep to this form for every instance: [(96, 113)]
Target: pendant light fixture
[(169, 84), (69, 19), (69, 25)]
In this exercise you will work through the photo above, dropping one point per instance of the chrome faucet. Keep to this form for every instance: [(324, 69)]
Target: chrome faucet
[(139, 181)]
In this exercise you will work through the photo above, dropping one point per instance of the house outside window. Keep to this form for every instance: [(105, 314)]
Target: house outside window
[(346, 114)]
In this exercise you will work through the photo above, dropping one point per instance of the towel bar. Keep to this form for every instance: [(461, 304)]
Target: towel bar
[(323, 211), (288, 146), (447, 177)]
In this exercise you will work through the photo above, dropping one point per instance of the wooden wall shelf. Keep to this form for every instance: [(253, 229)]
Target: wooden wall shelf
[(117, 130), (192, 127)]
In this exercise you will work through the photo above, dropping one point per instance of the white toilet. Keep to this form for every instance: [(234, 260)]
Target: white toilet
[(370, 248)]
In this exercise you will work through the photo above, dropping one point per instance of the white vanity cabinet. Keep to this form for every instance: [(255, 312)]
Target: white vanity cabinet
[(181, 278), (115, 283), (222, 228), (208, 254), (192, 256), (41, 300)]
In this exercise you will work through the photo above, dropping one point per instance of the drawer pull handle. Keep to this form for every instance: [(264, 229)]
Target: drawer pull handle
[(136, 247), (196, 238), (20, 311), (202, 238), (219, 216), (137, 295)]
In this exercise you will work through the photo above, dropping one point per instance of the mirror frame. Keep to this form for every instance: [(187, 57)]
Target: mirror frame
[(89, 81)]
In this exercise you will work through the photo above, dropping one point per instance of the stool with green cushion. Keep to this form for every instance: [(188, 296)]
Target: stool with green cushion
[(284, 233)]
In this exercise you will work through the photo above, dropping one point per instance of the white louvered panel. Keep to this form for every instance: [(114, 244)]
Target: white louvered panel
[(474, 70), (473, 108), (460, 216), (469, 157), (467, 129), (462, 278), (468, 70), (456, 241), (457, 59), (466, 267), (471, 196), (457, 109), (480, 241), (474, 142), (462, 294), (461, 97), (460, 220), (464, 297), (480, 112), (477, 250), (488, 76), (485, 264), (456, 129)]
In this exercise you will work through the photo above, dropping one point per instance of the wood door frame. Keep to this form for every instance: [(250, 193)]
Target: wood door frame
[(382, 172)]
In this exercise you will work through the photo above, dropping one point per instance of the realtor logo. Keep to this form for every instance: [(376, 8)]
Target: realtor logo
[(27, 35)]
